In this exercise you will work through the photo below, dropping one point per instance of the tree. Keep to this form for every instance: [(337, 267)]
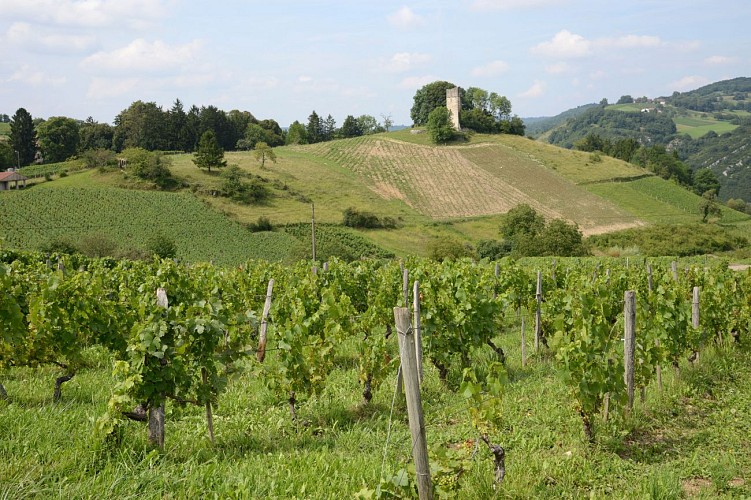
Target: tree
[(368, 125), (59, 138), (428, 98), (625, 99), (329, 128), (209, 153), (149, 165), (709, 206), (521, 220), (297, 134), (350, 128), (254, 134), (314, 128), (93, 135), (162, 246), (263, 152), (180, 137), (440, 128), (7, 156), (387, 122), (561, 239), (737, 204), (23, 137), (499, 106), (706, 180), (142, 125)]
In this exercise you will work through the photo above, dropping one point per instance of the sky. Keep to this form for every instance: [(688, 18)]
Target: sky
[(282, 59)]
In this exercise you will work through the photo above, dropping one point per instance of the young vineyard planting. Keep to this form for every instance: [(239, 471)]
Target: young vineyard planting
[(175, 337)]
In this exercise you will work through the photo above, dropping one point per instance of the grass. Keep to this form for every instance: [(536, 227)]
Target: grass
[(659, 201), (697, 125), (458, 191), (130, 218), (690, 440)]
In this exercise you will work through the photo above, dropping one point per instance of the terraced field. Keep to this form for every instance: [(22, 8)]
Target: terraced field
[(469, 181)]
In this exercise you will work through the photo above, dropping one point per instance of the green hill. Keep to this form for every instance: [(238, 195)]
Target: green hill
[(709, 128), (458, 191)]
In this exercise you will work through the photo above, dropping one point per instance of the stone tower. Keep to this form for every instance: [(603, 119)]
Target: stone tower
[(454, 104)]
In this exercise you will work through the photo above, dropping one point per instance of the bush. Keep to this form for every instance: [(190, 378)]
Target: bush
[(59, 245), (449, 249), (493, 249), (366, 220), (262, 224), (162, 246)]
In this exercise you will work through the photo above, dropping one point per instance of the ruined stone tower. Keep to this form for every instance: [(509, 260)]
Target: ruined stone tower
[(453, 103)]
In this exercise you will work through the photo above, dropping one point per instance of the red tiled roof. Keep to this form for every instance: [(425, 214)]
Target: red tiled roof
[(11, 176)]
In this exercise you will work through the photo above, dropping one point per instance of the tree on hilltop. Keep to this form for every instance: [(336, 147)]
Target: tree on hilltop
[(209, 153), (440, 128), (428, 98)]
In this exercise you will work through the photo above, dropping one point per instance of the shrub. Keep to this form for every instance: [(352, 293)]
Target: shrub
[(449, 249), (162, 246), (367, 220), (493, 249), (262, 224)]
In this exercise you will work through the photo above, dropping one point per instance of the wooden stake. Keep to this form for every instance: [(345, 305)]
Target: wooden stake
[(414, 402), (538, 317), (156, 414), (629, 348), (524, 346), (261, 354), (417, 329), (405, 287), (649, 276), (674, 268), (209, 415)]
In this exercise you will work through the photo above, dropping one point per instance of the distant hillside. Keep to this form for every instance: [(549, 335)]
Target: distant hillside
[(537, 126), (708, 127), (460, 191)]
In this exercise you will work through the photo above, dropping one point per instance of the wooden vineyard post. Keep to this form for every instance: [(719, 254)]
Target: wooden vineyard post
[(156, 415), (695, 315), (629, 348), (538, 317), (417, 329), (497, 273), (524, 346), (405, 286), (658, 369), (209, 415), (649, 276), (261, 353), (414, 402), (552, 274), (674, 268), (313, 235)]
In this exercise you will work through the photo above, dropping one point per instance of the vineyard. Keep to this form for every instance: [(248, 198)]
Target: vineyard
[(159, 379)]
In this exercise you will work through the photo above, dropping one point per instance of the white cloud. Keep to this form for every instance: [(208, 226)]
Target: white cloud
[(415, 82), (406, 61), (536, 90), (483, 5), (405, 18), (564, 45), (630, 42), (142, 56), (493, 68), (557, 68), (26, 36), (304, 79), (688, 83), (720, 60), (87, 13), (35, 77)]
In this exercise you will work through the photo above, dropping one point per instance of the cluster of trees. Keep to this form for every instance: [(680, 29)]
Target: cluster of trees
[(363, 219), (657, 159), (646, 128), (147, 126), (524, 233), (480, 111), (711, 98)]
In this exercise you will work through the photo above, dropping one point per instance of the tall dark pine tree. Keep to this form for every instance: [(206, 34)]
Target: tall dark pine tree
[(180, 138), (314, 128), (23, 137)]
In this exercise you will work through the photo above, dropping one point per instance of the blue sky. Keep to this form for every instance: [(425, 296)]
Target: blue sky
[(282, 59)]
